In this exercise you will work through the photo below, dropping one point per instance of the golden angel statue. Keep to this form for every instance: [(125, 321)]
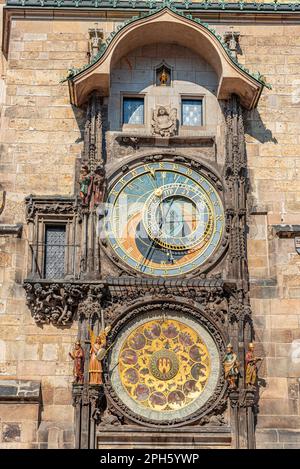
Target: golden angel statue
[(97, 353), (164, 121), (164, 77)]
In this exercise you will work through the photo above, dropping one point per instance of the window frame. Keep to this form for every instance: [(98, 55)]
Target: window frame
[(53, 224), (194, 97), (128, 95), (49, 210)]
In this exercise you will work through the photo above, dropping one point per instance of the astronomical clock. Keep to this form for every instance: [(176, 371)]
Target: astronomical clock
[(165, 368), (164, 219), (149, 254), (161, 290)]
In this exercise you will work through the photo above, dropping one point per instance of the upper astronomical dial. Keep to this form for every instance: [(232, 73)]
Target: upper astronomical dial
[(164, 219)]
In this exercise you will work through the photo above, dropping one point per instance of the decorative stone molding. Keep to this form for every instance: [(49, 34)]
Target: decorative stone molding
[(138, 140), (11, 230), (286, 231), (59, 302), (50, 205), (20, 390)]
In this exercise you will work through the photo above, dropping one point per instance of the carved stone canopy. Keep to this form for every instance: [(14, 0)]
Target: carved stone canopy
[(166, 26)]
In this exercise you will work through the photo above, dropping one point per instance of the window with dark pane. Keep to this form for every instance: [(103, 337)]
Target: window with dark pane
[(55, 238), (191, 112), (133, 110)]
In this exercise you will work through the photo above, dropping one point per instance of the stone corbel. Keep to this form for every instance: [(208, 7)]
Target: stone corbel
[(54, 303), (11, 230), (59, 302)]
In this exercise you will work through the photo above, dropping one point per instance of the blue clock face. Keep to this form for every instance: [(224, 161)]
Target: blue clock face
[(164, 219)]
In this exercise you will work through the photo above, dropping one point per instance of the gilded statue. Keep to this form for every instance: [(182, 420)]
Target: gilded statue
[(251, 366), (77, 356), (164, 121), (231, 367), (97, 353), (164, 77)]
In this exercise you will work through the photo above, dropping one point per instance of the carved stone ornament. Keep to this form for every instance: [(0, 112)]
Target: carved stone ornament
[(52, 205), (90, 306), (52, 302), (84, 394), (164, 121), (211, 294)]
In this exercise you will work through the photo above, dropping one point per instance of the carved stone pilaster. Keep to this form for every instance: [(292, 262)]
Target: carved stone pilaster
[(86, 400), (235, 179), (92, 184), (93, 133)]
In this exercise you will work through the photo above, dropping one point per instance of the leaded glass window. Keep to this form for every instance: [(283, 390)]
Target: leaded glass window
[(191, 112), (133, 111), (55, 251)]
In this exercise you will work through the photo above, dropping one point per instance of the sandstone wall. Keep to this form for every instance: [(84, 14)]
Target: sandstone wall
[(41, 138)]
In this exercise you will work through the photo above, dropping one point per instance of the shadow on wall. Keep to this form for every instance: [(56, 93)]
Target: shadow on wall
[(80, 116), (255, 127)]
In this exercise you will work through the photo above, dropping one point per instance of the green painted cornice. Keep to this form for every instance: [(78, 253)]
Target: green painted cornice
[(76, 71), (221, 6)]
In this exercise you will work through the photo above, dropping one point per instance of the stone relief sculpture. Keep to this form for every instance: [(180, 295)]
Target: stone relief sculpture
[(164, 121), (98, 186), (77, 356), (251, 366), (85, 182), (231, 367)]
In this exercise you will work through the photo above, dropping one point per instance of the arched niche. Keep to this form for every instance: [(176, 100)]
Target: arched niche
[(167, 26)]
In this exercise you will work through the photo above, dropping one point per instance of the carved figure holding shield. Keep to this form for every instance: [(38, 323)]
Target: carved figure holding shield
[(97, 353)]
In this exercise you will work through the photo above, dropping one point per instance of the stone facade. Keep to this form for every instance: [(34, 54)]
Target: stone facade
[(41, 147)]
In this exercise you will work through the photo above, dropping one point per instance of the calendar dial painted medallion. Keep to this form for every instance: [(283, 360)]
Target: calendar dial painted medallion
[(164, 219)]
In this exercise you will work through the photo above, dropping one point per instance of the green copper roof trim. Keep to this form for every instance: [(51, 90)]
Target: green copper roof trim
[(144, 4), (73, 72)]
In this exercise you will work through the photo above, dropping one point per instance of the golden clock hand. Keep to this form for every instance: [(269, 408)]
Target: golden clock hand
[(152, 243), (152, 172)]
